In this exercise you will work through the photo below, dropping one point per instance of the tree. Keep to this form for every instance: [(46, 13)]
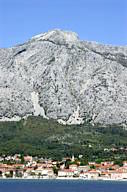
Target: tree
[(67, 163), (0, 173), (11, 173), (92, 167), (22, 159), (55, 170), (118, 162)]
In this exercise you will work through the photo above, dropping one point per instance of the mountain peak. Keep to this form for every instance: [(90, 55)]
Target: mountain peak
[(57, 35)]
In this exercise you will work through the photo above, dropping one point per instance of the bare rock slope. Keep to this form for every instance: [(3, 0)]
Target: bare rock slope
[(58, 76)]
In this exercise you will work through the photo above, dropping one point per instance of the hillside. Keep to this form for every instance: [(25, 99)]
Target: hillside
[(47, 138)]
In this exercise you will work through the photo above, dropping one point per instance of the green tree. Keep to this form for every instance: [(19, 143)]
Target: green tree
[(22, 159), (55, 170)]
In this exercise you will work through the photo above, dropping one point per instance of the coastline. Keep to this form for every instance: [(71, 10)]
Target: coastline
[(64, 178)]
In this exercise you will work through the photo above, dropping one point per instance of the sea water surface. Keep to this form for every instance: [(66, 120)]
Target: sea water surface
[(62, 186)]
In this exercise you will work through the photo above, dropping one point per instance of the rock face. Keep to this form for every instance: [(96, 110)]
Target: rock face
[(58, 76)]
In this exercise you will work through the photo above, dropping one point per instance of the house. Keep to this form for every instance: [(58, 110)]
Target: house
[(73, 167), (62, 166), (110, 163), (92, 174), (28, 158), (118, 175), (105, 175), (44, 172), (83, 175), (66, 173), (83, 168)]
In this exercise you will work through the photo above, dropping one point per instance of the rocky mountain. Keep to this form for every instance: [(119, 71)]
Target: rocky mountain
[(58, 76)]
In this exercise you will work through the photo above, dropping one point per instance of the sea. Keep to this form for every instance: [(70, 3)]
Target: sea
[(62, 186)]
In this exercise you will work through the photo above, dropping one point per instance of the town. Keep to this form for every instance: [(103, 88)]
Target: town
[(27, 167)]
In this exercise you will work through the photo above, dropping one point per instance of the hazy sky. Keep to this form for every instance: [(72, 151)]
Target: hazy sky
[(104, 21)]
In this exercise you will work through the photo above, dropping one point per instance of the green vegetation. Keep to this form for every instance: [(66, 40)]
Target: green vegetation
[(55, 170), (47, 138)]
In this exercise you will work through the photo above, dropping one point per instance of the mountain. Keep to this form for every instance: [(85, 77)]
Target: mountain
[(58, 76)]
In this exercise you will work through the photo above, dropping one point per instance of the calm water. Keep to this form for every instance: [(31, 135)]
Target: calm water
[(61, 186)]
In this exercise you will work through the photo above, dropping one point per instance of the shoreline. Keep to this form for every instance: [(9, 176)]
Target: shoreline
[(64, 178)]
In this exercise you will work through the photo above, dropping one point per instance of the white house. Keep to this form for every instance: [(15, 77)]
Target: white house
[(65, 173)]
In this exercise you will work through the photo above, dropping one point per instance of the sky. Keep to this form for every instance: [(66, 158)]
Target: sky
[(104, 21)]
